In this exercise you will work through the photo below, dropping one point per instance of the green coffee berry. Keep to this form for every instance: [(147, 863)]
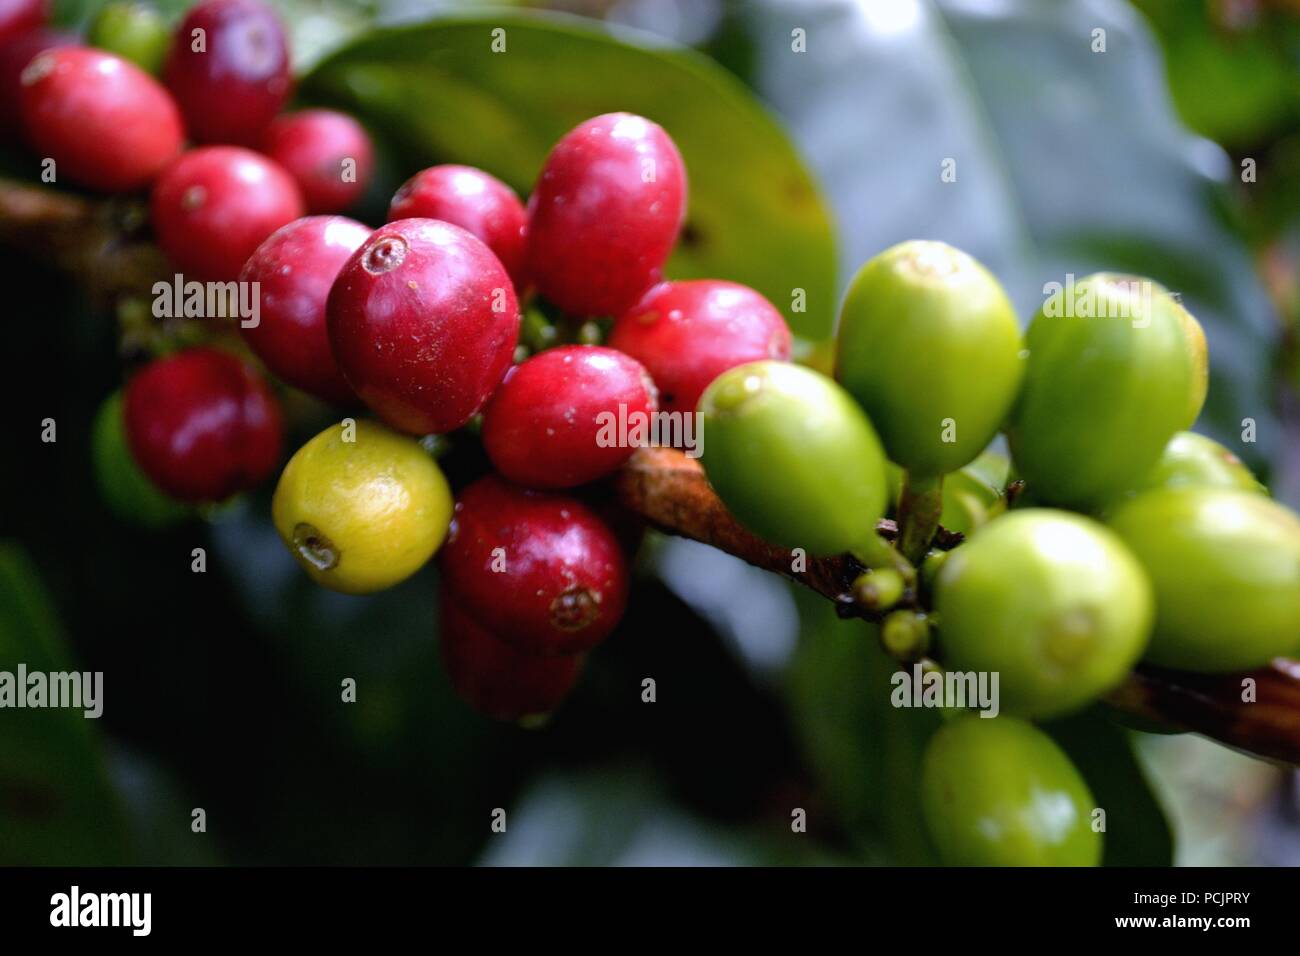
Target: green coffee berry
[(1192, 460), (974, 494), (134, 32), (1111, 377), (1051, 601), (928, 343), (129, 494), (1000, 792), (1199, 353), (793, 457), (1225, 565)]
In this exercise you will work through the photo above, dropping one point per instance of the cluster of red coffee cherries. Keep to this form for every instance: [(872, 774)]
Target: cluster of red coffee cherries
[(419, 319)]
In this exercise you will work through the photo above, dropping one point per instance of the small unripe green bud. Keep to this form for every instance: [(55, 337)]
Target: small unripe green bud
[(793, 457), (999, 792), (905, 635), (928, 343), (134, 32), (1226, 569), (1113, 373), (1052, 601), (879, 589)]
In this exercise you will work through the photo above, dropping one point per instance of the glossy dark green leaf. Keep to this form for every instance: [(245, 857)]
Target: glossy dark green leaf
[(440, 92), (1137, 833), (56, 803), (865, 752)]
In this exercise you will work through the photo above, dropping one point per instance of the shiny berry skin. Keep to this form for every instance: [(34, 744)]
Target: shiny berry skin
[(555, 420), (1052, 601), (295, 268), (361, 507), (1225, 565), (470, 198), (605, 214), (1194, 461), (215, 205), (686, 334), (924, 312), (494, 678), (22, 16), (328, 153), (1000, 792), (15, 53), (539, 569), (106, 123), (423, 321), (202, 425), (230, 91), (793, 457), (1113, 372)]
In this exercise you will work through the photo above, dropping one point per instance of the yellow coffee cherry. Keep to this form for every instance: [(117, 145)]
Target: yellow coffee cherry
[(361, 507)]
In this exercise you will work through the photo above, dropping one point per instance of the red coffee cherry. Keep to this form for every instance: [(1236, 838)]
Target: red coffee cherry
[(605, 214), (229, 70), (22, 16), (423, 321), (475, 201), (565, 416), (105, 122), (216, 204), (688, 333), (202, 425), (295, 268), (15, 53), (494, 678), (540, 570), (328, 153)]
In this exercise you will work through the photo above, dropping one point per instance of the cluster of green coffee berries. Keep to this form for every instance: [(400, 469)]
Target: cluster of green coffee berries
[(1129, 539)]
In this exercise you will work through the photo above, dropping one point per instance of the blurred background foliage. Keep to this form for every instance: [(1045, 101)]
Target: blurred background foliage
[(222, 689)]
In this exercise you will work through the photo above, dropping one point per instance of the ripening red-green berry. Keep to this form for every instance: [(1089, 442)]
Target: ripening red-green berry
[(568, 416), (539, 569), (229, 70), (686, 334), (22, 16), (202, 425), (472, 199), (294, 270), (215, 205), (605, 214), (494, 678), (15, 53), (423, 321), (329, 155), (105, 122)]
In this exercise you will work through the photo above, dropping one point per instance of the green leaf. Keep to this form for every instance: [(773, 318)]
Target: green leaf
[(57, 806), (440, 93), (1066, 160), (1249, 65), (1137, 833), (865, 753)]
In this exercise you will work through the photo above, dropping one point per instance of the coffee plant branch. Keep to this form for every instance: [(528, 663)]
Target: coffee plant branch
[(103, 244), (670, 491)]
